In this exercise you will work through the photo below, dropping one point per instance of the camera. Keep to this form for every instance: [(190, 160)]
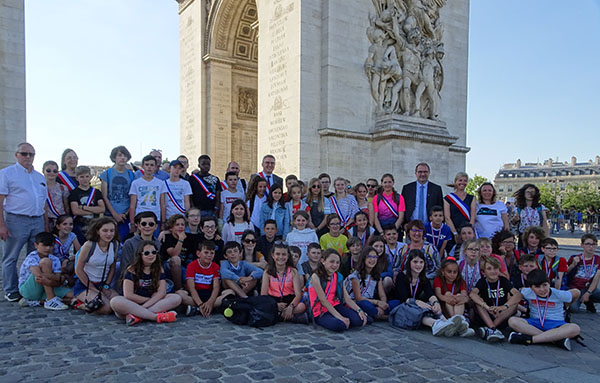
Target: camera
[(94, 304)]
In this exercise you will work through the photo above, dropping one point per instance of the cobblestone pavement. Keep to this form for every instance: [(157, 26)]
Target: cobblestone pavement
[(43, 346)]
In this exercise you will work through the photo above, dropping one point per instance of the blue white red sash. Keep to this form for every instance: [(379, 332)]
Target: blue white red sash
[(51, 206), (174, 200), (464, 209), (67, 180), (337, 209), (209, 194), (60, 248), (91, 197), (262, 174), (224, 185), (389, 206), (142, 171)]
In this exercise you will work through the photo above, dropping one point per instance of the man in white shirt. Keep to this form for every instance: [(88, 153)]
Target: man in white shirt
[(22, 196)]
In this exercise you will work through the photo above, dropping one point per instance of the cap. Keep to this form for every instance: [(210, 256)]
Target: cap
[(176, 162)]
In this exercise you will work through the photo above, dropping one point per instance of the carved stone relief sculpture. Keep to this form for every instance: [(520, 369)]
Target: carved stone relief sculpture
[(404, 63)]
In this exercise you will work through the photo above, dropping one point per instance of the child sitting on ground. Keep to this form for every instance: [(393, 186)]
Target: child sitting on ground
[(546, 323), (585, 274), (496, 300), (451, 291), (40, 277), (237, 275), (202, 283), (280, 281)]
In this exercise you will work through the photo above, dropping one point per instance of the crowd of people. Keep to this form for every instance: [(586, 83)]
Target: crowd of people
[(150, 244)]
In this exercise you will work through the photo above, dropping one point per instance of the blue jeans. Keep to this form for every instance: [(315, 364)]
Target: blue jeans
[(23, 230), (332, 323), (371, 310), (594, 298)]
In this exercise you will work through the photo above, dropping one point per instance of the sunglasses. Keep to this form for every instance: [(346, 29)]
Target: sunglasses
[(315, 186), (250, 240), (282, 243), (153, 252), (51, 170), (144, 224), (371, 186), (473, 249), (26, 154)]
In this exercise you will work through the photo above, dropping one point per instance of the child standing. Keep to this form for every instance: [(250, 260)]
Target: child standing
[(147, 193), (334, 239), (202, 283), (145, 290), (546, 323), (436, 231), (364, 285), (239, 276), (57, 201), (40, 277), (177, 191), (496, 300), (327, 295), (280, 281), (237, 223), (274, 209), (361, 229), (256, 196), (451, 291), (296, 203), (586, 276), (85, 201), (230, 194), (301, 235)]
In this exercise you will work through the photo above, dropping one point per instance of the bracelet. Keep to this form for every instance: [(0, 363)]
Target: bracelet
[(359, 311), (438, 302), (179, 241), (588, 292), (106, 286), (506, 305)]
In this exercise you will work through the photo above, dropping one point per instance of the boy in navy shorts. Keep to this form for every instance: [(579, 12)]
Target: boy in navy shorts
[(546, 322)]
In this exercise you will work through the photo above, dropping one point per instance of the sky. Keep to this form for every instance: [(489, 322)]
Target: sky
[(101, 73)]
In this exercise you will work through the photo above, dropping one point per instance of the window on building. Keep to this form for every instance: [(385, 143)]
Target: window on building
[(562, 186), (509, 188), (501, 188)]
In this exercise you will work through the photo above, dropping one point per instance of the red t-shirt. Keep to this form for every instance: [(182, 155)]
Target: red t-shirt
[(445, 287), (203, 276), (548, 266), (584, 273)]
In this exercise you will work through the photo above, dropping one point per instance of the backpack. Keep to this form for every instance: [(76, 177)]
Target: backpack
[(255, 311), (407, 316)]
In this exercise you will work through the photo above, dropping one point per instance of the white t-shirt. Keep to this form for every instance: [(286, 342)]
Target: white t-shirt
[(178, 190), (148, 195), (227, 198), (488, 220), (255, 217)]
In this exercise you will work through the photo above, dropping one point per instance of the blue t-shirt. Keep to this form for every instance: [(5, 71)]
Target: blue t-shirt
[(117, 187), (437, 236)]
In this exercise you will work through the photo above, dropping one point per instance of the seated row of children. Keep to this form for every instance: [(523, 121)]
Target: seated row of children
[(463, 291)]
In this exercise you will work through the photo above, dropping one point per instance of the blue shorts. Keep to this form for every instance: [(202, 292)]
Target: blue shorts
[(548, 324)]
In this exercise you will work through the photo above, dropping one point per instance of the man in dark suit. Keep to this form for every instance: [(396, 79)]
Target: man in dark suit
[(421, 195), (268, 165)]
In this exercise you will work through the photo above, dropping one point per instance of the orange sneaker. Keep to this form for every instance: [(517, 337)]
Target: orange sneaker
[(169, 316), (131, 319)]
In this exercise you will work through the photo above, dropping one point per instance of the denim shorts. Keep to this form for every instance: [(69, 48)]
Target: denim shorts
[(548, 323)]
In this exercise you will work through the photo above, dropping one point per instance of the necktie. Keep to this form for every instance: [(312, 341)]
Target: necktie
[(269, 180), (421, 206)]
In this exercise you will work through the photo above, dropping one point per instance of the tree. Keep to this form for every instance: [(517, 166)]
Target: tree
[(549, 195), (581, 196), (474, 184)]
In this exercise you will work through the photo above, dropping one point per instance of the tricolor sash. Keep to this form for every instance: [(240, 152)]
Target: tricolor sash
[(224, 185), (51, 206), (209, 194), (67, 180), (174, 200), (60, 248), (91, 197), (464, 209), (262, 174), (142, 171), (389, 206), (337, 210)]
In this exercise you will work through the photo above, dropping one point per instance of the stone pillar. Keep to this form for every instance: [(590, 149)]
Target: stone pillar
[(12, 79)]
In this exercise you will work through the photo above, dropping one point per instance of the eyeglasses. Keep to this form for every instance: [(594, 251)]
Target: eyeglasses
[(473, 249), (26, 154), (508, 242), (416, 230), (371, 186), (552, 249), (210, 227), (372, 257), (250, 240), (334, 224), (51, 170), (153, 252), (144, 224), (194, 216), (315, 186), (590, 244)]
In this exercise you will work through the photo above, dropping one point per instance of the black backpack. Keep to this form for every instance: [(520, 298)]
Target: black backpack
[(258, 311)]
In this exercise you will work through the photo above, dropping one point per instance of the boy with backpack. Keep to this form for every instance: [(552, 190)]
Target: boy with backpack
[(239, 276)]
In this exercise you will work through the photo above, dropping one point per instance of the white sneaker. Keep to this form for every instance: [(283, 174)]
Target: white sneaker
[(443, 327), (28, 303), (55, 304), (460, 323), (467, 333), (495, 336)]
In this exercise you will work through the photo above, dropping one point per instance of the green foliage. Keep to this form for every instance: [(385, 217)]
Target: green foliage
[(581, 196), (549, 195), (474, 184)]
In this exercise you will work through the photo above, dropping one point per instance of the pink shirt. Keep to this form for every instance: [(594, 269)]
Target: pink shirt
[(381, 209), (279, 288)]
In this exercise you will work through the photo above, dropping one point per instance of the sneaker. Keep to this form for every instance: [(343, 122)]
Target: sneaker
[(564, 343), (467, 333), (460, 323), (169, 316), (191, 311), (495, 336), (13, 297), (483, 332), (518, 338), (443, 328), (131, 319), (55, 304), (589, 306), (300, 318)]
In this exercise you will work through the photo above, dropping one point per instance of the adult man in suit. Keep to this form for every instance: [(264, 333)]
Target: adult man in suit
[(421, 195), (268, 165)]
